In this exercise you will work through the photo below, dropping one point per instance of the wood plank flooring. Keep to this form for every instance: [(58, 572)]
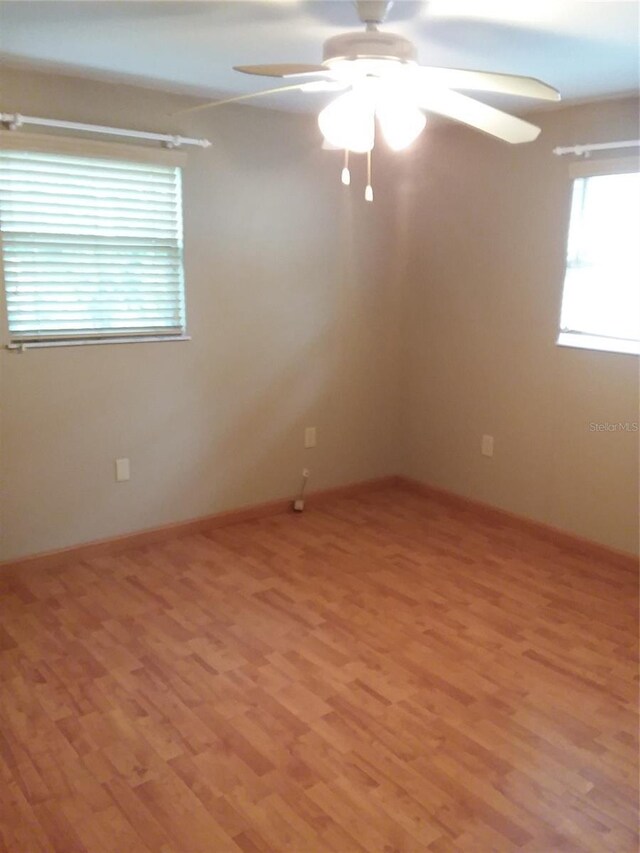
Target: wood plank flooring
[(382, 674)]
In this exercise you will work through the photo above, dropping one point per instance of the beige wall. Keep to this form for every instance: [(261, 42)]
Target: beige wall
[(485, 276), (293, 324), (402, 330)]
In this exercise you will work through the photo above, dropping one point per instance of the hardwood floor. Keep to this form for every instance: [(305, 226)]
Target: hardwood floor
[(383, 674)]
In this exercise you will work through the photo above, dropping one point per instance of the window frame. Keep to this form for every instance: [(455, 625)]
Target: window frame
[(45, 143), (574, 339)]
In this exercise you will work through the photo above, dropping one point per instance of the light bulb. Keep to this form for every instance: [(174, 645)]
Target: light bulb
[(368, 193), (348, 122), (346, 176), (400, 120)]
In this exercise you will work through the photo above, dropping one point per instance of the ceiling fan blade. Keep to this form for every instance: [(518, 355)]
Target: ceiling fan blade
[(324, 86), (476, 114), (220, 103), (284, 70), (488, 81)]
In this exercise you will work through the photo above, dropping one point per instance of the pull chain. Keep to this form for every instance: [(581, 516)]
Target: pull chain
[(346, 174), (368, 190)]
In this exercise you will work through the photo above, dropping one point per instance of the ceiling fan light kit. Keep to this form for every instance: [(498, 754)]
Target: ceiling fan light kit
[(348, 121), (380, 81)]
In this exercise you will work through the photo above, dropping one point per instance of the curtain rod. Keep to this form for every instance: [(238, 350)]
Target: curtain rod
[(14, 120), (596, 146)]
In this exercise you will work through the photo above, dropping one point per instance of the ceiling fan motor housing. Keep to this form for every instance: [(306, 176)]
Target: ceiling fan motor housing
[(369, 45)]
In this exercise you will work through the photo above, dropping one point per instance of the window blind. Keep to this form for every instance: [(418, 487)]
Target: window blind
[(92, 247)]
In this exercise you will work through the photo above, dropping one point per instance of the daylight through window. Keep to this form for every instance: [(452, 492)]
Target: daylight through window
[(601, 298)]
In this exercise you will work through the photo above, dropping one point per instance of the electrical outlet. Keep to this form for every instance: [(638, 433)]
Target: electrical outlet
[(486, 445), (310, 437), (123, 470)]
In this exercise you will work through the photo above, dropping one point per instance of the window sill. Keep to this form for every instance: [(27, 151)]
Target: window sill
[(578, 340), (20, 346)]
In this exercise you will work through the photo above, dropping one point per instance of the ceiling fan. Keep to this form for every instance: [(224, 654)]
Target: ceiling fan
[(379, 78)]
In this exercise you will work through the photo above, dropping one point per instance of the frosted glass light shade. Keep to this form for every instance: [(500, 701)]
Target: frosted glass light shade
[(400, 120), (348, 122)]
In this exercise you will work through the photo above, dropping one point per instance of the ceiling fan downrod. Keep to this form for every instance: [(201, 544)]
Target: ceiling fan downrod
[(373, 12)]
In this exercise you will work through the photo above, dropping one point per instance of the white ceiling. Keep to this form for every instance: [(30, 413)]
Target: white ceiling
[(585, 49)]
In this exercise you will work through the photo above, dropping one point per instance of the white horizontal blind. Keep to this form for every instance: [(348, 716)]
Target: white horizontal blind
[(92, 247), (601, 294)]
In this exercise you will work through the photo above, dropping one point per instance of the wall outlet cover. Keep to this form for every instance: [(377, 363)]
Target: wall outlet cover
[(123, 470), (486, 445)]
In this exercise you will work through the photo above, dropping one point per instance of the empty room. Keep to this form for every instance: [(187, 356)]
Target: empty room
[(319, 444)]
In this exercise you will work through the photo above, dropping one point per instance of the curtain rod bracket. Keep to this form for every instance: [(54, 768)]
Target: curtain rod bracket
[(12, 122), (173, 143)]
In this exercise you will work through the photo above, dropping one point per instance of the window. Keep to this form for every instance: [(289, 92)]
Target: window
[(601, 298), (91, 247)]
